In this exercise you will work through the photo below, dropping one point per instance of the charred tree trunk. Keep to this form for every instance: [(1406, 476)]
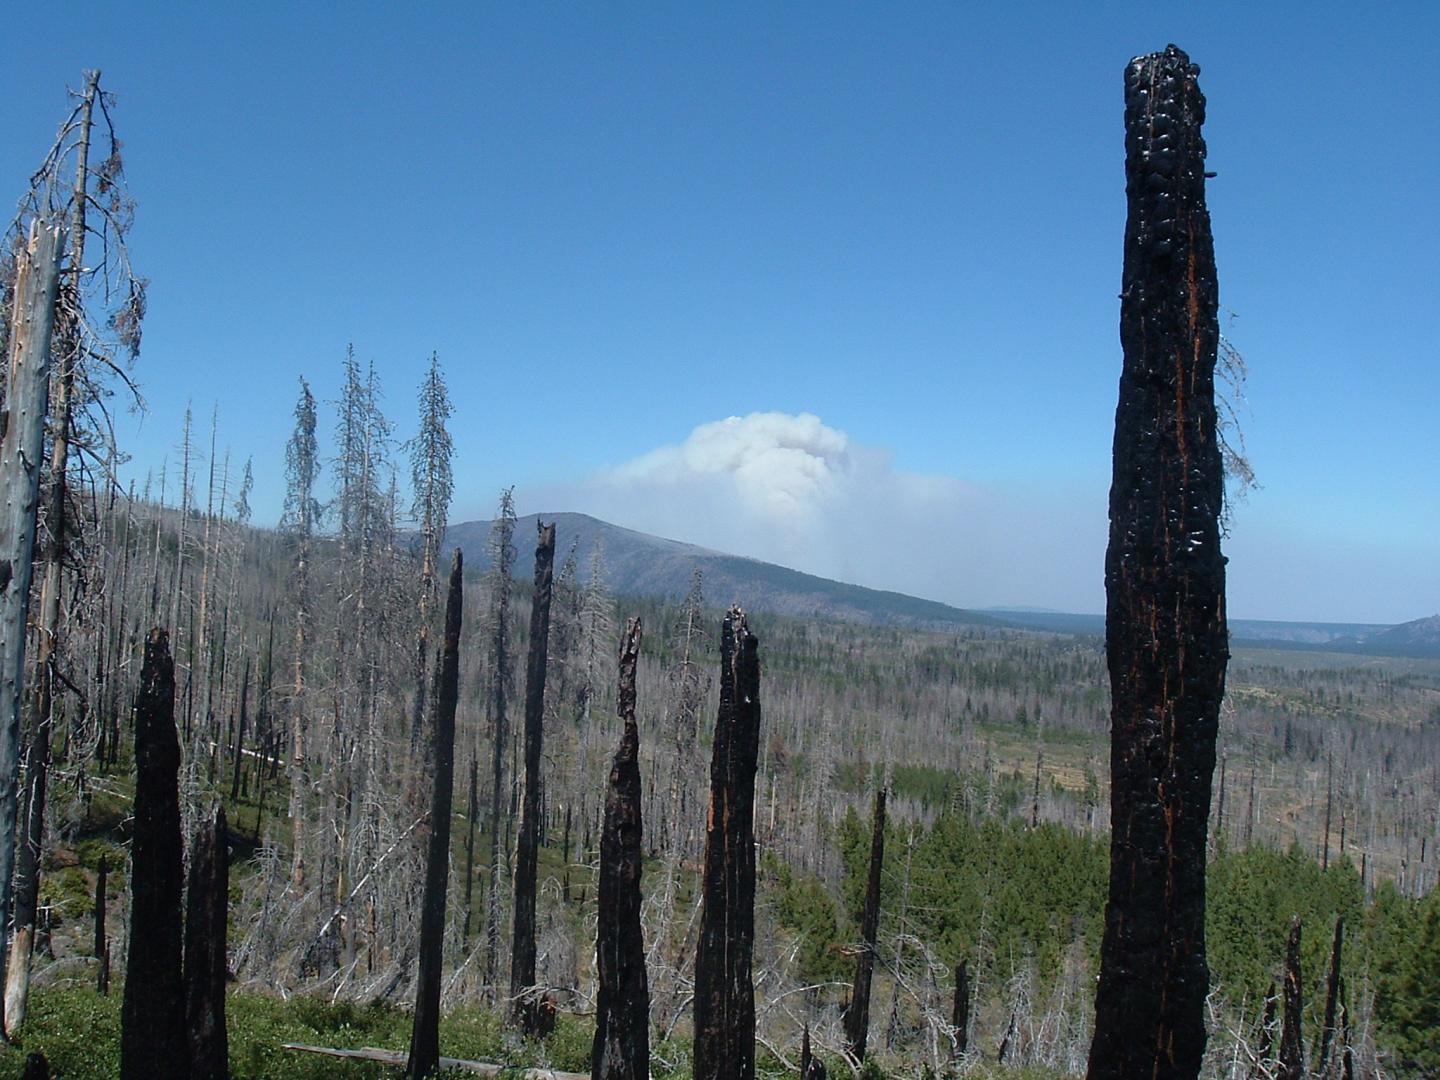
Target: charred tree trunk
[(22, 439), (1332, 997), (1292, 1048), (472, 812), (1265, 1040), (102, 947), (857, 1015), (206, 912), (152, 1015), (724, 990), (425, 1036), (1165, 631), (524, 995), (960, 1017), (811, 1067), (622, 1012), (240, 733)]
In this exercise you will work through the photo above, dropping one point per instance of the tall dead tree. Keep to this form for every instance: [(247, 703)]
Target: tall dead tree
[(1165, 633), (432, 482), (153, 1040), (1292, 1048), (724, 990), (424, 1057), (207, 906), (1332, 998), (622, 1012), (102, 947), (857, 1015), (524, 996), (22, 436), (502, 559), (960, 1015)]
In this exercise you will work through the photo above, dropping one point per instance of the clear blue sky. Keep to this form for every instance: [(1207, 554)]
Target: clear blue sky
[(617, 223)]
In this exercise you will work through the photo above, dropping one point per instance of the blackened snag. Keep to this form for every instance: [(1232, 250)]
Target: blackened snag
[(857, 1016), (152, 1014), (206, 911), (960, 1016), (724, 989), (102, 947), (1332, 997), (424, 1057), (1292, 1050), (622, 1013), (1165, 633), (524, 995)]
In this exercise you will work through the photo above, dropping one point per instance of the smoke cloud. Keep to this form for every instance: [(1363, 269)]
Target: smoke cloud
[(792, 490)]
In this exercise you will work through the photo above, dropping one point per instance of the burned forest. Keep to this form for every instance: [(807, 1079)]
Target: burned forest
[(314, 796)]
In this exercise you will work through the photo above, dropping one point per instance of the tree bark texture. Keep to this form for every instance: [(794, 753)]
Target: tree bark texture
[(1165, 634), (724, 989), (206, 909), (152, 1015), (960, 1015), (1292, 1048), (1332, 997), (424, 1057), (857, 1015), (22, 439), (622, 1013), (523, 993), (102, 947)]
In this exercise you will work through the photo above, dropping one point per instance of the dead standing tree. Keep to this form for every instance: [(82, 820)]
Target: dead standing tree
[(1165, 635), (207, 906), (523, 994), (21, 443), (153, 1039), (622, 1013), (724, 990), (425, 1035), (857, 1015), (1292, 1047)]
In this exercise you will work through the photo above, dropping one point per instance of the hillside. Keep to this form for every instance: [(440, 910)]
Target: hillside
[(643, 565)]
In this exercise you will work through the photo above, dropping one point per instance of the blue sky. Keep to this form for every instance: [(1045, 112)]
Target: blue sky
[(620, 224)]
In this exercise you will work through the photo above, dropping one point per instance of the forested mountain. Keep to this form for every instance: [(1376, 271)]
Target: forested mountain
[(644, 565)]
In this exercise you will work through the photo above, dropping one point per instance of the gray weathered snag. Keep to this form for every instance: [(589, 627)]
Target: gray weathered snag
[(27, 376), (622, 1012), (153, 1040), (724, 990), (525, 999), (1165, 631), (424, 1057)]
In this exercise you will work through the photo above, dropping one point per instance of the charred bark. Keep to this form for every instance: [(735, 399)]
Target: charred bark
[(424, 1057), (1292, 1049), (1265, 1039), (524, 995), (1166, 639), (724, 990), (857, 1015), (960, 1017), (206, 911), (152, 1015), (811, 1067), (622, 1012), (1332, 997), (102, 947)]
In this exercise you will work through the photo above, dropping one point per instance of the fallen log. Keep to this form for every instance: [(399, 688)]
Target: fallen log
[(399, 1058)]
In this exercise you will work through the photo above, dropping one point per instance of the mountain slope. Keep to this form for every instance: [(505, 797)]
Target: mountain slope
[(647, 565)]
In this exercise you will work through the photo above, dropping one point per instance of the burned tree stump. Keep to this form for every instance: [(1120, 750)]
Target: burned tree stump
[(424, 1058), (724, 990), (524, 995), (1165, 632), (207, 909), (857, 1015), (960, 1017), (622, 1012), (152, 1014), (1292, 1049)]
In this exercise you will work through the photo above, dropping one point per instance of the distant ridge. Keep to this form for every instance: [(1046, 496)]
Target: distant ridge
[(646, 565)]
